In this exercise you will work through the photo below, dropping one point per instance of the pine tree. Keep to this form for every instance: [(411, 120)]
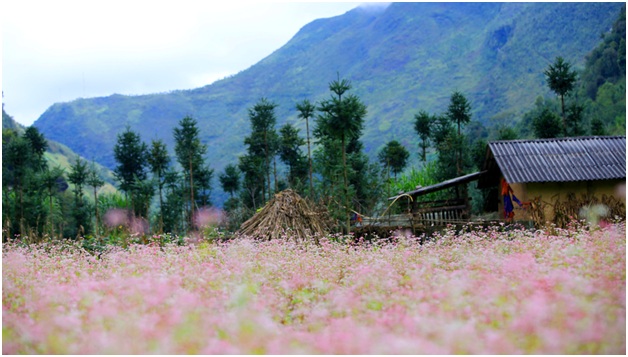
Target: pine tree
[(130, 153), (561, 80), (190, 152), (459, 113), (93, 180), (342, 119), (262, 143), (230, 179), (159, 161), (394, 157), (78, 176), (52, 179), (422, 125), (306, 111), (290, 154)]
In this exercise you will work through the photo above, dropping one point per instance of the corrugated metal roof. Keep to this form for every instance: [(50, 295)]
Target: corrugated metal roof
[(561, 159)]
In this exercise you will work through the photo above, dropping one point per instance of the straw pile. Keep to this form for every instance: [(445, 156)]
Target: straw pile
[(289, 216)]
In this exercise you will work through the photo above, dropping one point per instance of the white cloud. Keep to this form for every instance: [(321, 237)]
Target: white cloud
[(60, 50)]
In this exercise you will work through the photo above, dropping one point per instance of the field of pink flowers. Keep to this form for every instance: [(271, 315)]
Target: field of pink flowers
[(520, 292)]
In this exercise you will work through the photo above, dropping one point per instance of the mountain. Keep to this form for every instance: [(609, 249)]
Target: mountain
[(400, 59)]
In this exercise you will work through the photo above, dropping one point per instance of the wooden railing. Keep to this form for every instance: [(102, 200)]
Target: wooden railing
[(440, 213), (424, 214)]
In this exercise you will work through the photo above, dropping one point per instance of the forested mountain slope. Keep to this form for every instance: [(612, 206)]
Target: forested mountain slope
[(408, 57)]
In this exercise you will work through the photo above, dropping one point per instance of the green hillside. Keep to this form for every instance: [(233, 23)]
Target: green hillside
[(60, 155), (408, 57)]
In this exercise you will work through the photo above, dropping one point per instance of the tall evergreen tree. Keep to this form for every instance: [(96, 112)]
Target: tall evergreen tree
[(51, 180), (561, 79), (253, 169), (290, 153), (230, 179), (78, 176), (38, 145), (159, 160), (422, 125), (95, 182), (343, 119), (24, 193), (394, 157), (204, 179), (174, 210), (130, 153), (306, 111), (262, 144), (459, 113), (16, 156), (190, 152)]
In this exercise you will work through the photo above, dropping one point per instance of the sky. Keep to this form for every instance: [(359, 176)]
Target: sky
[(59, 50)]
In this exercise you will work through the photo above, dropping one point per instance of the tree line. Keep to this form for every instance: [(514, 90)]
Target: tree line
[(36, 200)]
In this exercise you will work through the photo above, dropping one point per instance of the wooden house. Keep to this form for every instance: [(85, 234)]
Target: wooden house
[(557, 177)]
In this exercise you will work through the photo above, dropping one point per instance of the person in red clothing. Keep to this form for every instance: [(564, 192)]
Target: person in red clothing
[(508, 207)]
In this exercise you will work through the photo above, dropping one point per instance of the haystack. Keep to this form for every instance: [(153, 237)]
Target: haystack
[(287, 215)]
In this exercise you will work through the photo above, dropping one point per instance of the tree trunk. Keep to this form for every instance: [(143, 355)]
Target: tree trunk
[(52, 226), (562, 107), (267, 154), (309, 156), (346, 182), (275, 173), (191, 192), (96, 210), (161, 209)]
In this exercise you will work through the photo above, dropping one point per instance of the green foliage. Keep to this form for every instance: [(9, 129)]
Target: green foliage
[(81, 211), (130, 153), (478, 153), (609, 108), (290, 153), (230, 179), (342, 119), (422, 125), (416, 178), (450, 143), (561, 79), (27, 204), (597, 127), (547, 125), (459, 110), (306, 111), (574, 120), (607, 62), (53, 181), (37, 143), (394, 157), (507, 133), (159, 161), (261, 147), (190, 154), (174, 205)]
